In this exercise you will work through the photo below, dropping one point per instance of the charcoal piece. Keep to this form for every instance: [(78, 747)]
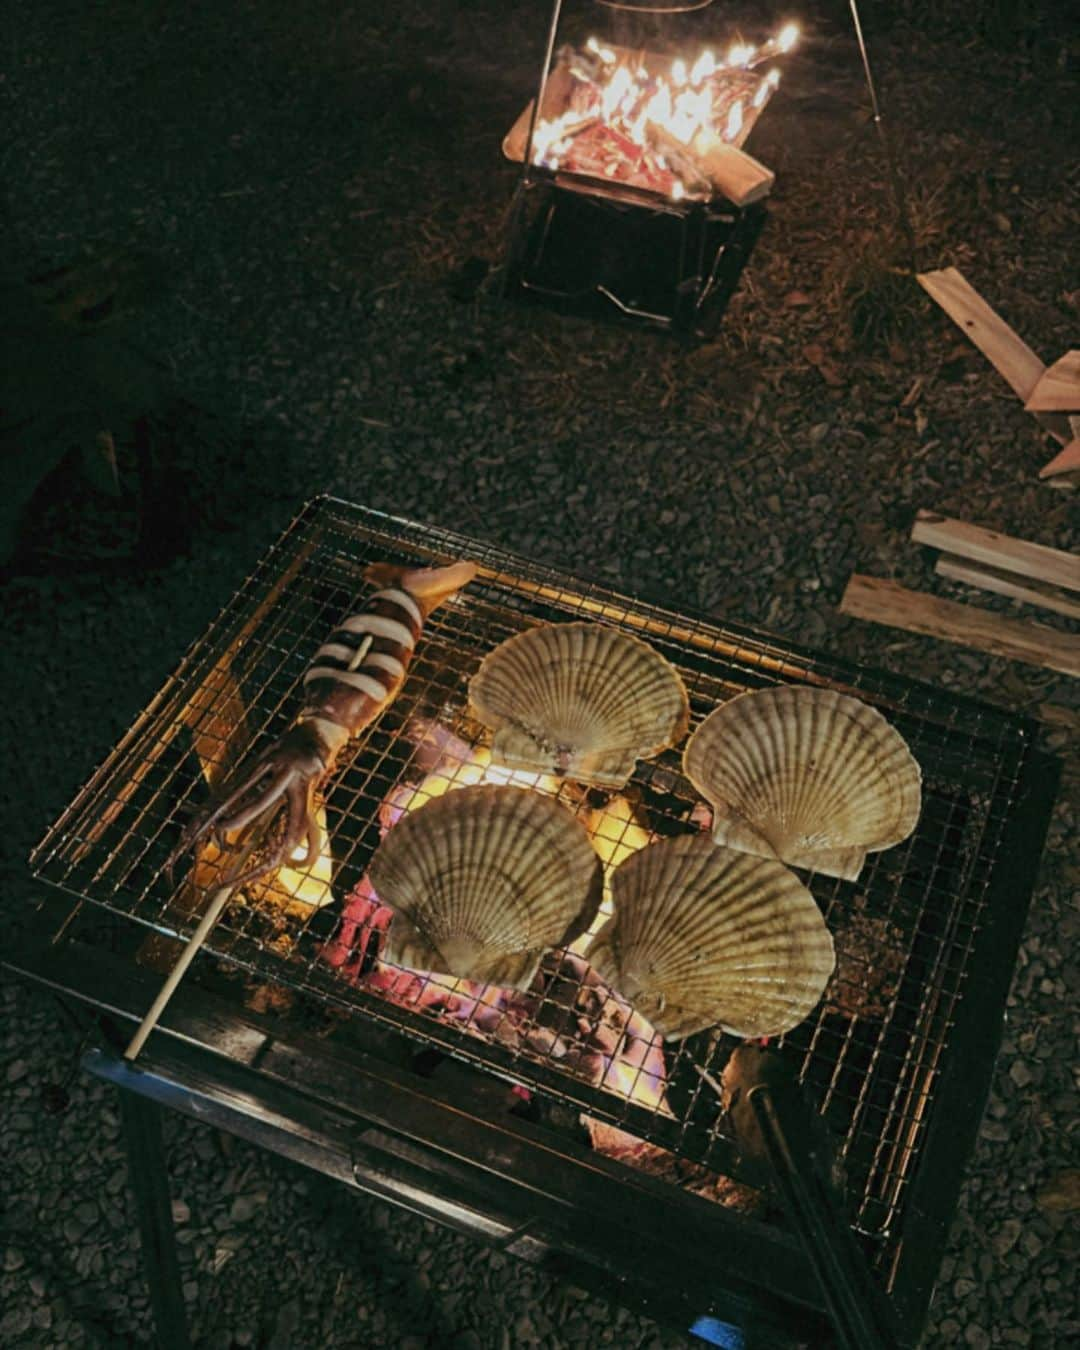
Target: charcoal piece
[(659, 1162), (870, 958)]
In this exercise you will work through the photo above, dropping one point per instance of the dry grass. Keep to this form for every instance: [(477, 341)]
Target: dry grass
[(878, 295)]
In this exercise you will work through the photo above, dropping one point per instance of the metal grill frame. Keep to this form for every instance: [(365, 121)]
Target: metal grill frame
[(978, 763), (702, 247)]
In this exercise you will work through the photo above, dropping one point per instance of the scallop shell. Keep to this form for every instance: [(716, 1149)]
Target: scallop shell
[(809, 776), (704, 936), (482, 881), (579, 699)]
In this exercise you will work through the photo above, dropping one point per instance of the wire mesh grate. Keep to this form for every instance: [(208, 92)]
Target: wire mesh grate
[(871, 1053)]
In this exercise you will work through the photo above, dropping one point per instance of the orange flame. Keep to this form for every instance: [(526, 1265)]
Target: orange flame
[(621, 112)]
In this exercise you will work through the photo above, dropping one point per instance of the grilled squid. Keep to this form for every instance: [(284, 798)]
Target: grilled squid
[(353, 676)]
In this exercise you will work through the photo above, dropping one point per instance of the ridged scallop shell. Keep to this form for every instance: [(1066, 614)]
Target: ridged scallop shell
[(812, 777), (482, 881), (579, 699), (704, 936)]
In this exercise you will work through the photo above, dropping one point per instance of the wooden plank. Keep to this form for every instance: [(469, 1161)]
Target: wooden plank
[(1068, 461), (998, 550), (889, 603), (1059, 388), (1006, 351), (740, 177), (1004, 583)]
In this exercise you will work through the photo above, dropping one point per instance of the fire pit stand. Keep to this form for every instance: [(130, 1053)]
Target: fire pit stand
[(635, 200), (449, 1106), (613, 254)]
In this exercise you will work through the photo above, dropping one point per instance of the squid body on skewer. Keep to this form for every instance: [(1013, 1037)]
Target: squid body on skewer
[(353, 676)]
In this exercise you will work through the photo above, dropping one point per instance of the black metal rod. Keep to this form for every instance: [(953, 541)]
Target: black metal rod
[(858, 1312), (150, 1186), (896, 182)]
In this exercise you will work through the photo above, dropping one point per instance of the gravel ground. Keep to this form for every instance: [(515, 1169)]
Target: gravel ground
[(312, 180)]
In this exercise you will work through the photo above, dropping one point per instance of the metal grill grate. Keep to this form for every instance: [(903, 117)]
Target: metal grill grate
[(873, 1051)]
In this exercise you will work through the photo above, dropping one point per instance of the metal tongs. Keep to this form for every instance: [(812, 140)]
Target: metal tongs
[(782, 1139)]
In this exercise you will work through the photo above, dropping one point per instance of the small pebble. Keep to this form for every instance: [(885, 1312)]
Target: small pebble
[(245, 1207), (1006, 1238), (14, 1324)]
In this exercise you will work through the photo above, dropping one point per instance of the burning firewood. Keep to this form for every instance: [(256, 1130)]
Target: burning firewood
[(653, 122)]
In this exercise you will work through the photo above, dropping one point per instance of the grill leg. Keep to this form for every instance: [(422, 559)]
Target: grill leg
[(150, 1185)]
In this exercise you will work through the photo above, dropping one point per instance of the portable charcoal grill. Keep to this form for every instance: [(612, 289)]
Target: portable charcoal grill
[(664, 245), (411, 1097)]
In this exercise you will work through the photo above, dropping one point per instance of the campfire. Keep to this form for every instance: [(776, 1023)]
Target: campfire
[(636, 199), (650, 121)]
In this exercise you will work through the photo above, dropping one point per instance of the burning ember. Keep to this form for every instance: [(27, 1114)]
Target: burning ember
[(643, 120), (567, 1015)]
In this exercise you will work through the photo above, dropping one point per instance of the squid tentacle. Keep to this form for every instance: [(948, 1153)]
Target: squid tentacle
[(215, 818), (279, 786), (313, 831), (271, 778), (261, 868)]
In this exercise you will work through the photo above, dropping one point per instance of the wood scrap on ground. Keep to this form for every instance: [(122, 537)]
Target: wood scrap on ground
[(1006, 351), (1059, 388), (889, 603), (999, 581), (1019, 556), (1067, 461)]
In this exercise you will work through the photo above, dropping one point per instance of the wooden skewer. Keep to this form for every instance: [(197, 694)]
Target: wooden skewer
[(888, 603), (218, 901), (1003, 583), (981, 545)]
